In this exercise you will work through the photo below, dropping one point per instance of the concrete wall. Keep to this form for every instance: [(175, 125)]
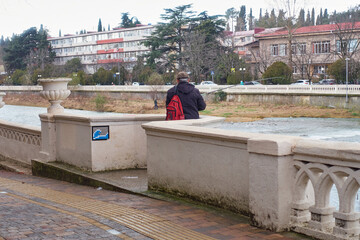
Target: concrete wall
[(68, 138), (210, 167), (19, 142)]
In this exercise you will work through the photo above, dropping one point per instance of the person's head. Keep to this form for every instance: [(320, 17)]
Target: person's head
[(182, 77)]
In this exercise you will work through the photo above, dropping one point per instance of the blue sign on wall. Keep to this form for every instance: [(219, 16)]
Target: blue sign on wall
[(100, 133)]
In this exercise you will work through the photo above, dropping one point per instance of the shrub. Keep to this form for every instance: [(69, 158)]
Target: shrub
[(220, 96), (280, 72), (100, 102)]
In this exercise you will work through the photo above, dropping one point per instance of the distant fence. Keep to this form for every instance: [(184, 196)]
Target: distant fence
[(317, 95), (303, 89)]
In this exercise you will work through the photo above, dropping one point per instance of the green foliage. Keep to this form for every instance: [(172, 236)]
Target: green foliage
[(100, 102), (220, 96), (103, 77), (141, 72), (100, 25), (338, 70), (19, 77), (73, 65), (237, 77), (155, 79), (280, 72), (127, 22), (30, 49)]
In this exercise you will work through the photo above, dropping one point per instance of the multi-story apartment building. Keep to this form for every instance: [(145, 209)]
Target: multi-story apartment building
[(103, 49), (309, 50)]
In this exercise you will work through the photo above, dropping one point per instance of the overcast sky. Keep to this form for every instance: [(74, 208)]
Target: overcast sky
[(71, 16)]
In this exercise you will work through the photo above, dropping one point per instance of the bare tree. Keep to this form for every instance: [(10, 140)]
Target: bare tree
[(346, 39), (291, 7), (200, 55)]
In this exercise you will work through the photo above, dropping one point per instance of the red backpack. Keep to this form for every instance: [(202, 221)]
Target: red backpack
[(174, 110)]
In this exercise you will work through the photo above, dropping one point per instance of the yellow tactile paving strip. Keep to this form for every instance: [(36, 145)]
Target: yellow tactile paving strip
[(147, 224)]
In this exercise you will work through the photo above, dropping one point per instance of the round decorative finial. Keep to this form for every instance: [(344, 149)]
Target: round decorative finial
[(55, 91)]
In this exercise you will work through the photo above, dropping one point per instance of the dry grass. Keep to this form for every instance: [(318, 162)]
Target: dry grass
[(233, 111)]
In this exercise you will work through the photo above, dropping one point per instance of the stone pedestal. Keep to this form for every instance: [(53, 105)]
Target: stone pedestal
[(322, 218), (347, 225), (54, 90), (300, 212)]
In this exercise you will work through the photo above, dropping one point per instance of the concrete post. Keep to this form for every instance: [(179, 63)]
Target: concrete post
[(48, 138), (271, 177), (1, 102)]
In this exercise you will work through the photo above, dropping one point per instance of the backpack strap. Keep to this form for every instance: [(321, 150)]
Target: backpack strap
[(176, 90)]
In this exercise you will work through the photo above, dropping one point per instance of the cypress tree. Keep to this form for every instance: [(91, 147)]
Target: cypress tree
[(99, 26), (313, 17), (308, 19), (301, 18), (251, 20)]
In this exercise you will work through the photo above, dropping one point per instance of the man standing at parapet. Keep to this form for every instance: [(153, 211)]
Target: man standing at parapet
[(190, 97)]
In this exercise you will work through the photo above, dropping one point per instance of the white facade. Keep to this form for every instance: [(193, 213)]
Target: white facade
[(108, 48)]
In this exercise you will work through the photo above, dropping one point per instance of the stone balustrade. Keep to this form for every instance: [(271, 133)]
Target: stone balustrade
[(318, 168), (282, 182), (19, 142)]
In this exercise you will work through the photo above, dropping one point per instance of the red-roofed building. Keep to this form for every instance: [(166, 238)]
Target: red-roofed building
[(313, 48)]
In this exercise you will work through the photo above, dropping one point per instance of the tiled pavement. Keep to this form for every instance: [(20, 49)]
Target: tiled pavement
[(41, 208)]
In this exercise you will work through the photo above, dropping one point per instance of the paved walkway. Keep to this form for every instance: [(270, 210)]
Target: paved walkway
[(41, 208)]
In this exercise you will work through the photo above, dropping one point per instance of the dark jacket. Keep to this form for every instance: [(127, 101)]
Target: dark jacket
[(191, 100)]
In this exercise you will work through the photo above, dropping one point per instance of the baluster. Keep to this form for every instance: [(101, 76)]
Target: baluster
[(322, 218)]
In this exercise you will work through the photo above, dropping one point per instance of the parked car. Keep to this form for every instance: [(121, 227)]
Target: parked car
[(327, 82), (252, 83), (136, 84), (207, 83), (301, 82)]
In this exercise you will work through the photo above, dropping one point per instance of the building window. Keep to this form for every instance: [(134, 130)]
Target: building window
[(319, 69), (274, 50), (294, 69), (304, 68), (298, 48), (321, 47), (282, 49), (346, 46)]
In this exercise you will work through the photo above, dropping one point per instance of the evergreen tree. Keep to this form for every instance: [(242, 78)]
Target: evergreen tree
[(231, 16), (59, 33), (313, 17), (127, 22), (301, 18), (272, 20), (251, 20), (326, 19), (281, 22), (100, 26), (242, 18), (108, 27), (308, 19), (169, 37), (319, 18), (31, 48)]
